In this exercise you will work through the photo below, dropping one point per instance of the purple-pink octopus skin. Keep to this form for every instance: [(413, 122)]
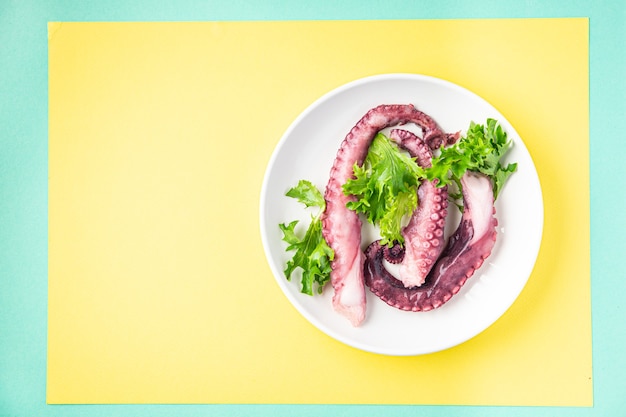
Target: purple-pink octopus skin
[(341, 226), (467, 249), (424, 234)]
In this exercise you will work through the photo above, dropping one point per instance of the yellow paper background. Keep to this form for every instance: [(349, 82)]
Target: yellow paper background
[(159, 135)]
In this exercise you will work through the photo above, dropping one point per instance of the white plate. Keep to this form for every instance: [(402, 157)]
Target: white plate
[(307, 151)]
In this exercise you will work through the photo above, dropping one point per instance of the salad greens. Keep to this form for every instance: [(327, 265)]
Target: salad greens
[(386, 184), (479, 151), (385, 187), (313, 254)]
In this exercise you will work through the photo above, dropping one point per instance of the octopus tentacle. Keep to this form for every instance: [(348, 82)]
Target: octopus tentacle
[(394, 254), (416, 146), (424, 234), (341, 226), (465, 252)]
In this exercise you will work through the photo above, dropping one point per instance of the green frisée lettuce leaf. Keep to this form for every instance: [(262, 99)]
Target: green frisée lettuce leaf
[(312, 253), (480, 150), (385, 186)]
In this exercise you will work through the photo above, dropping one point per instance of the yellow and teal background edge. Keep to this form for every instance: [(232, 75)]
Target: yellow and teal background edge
[(23, 188)]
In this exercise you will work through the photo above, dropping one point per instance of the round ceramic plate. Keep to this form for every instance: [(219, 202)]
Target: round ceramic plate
[(307, 150)]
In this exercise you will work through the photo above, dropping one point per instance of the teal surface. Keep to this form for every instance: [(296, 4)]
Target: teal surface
[(23, 188)]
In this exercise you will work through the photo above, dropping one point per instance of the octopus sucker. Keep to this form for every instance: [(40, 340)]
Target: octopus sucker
[(465, 252), (341, 227)]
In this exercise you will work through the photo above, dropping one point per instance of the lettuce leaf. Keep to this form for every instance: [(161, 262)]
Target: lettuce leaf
[(385, 187), (312, 253), (480, 150)]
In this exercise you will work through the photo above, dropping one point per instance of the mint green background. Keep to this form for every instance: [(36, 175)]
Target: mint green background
[(23, 188)]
